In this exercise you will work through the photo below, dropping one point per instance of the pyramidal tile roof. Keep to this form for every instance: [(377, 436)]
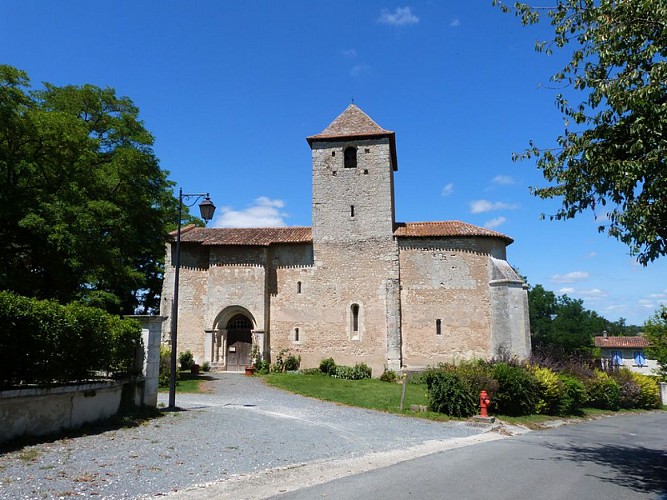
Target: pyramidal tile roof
[(351, 123), (355, 124)]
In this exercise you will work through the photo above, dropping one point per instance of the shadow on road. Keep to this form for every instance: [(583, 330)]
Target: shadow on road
[(637, 468)]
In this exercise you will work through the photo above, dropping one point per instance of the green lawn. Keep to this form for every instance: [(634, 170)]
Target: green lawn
[(369, 393), (188, 382)]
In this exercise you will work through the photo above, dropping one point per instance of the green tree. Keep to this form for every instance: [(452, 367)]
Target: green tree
[(84, 205), (655, 330), (611, 157), (561, 324), (542, 310)]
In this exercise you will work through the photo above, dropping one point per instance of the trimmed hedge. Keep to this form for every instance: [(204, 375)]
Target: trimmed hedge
[(51, 343)]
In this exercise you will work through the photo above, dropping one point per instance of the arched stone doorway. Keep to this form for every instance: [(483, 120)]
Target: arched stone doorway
[(229, 343), (239, 342)]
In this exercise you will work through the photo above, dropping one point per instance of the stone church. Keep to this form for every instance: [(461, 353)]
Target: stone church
[(357, 285)]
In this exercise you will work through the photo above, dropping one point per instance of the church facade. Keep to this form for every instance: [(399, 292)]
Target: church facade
[(357, 285)]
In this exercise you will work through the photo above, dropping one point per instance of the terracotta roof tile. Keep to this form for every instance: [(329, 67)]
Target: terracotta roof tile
[(355, 124), (252, 236), (351, 123), (620, 342), (450, 228), (264, 236)]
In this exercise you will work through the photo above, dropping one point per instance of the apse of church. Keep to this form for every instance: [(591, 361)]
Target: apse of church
[(357, 286)]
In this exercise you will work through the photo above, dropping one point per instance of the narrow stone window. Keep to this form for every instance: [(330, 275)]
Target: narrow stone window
[(355, 318), (351, 210), (296, 335), (366, 171), (334, 173), (350, 157), (333, 153), (367, 150), (298, 287), (438, 327)]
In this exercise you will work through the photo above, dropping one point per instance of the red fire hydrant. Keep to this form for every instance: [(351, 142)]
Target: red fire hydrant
[(484, 402)]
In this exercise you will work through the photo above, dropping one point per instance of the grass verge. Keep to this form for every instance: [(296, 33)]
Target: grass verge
[(189, 383), (385, 396), (368, 393)]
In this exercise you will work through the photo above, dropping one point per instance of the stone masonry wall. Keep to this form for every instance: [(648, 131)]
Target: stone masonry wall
[(445, 280)]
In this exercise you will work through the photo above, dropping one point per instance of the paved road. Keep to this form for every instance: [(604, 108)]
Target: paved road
[(624, 457), (232, 437)]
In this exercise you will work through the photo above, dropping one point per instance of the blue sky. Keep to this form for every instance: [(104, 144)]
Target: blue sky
[(230, 89)]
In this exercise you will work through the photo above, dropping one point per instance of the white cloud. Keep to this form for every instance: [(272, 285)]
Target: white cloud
[(264, 212), (349, 53), (591, 255), (503, 180), (448, 189), (481, 206), (454, 23), (566, 291), (572, 277), (360, 69), (592, 293), (402, 16), (498, 221)]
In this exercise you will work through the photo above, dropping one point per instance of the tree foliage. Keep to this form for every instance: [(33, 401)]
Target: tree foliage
[(84, 205), (561, 322), (655, 330), (562, 325), (611, 157)]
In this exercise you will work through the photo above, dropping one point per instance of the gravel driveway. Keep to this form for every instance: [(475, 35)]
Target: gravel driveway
[(239, 429)]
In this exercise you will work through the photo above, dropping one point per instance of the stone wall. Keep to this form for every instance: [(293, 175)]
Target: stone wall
[(445, 280)]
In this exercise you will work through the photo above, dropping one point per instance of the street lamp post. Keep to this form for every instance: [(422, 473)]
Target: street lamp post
[(207, 208)]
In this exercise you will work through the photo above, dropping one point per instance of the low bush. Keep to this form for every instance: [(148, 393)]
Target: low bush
[(575, 392), (552, 397), (328, 366), (603, 391), (206, 366), (388, 376), (357, 372), (449, 394), (649, 391), (478, 375), (517, 390), (186, 360), (286, 361)]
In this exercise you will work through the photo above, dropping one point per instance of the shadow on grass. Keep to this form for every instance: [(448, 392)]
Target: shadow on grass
[(637, 468), (125, 420)]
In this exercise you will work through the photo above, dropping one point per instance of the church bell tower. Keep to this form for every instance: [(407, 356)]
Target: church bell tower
[(354, 160)]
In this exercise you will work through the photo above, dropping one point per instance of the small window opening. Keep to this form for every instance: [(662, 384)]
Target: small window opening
[(298, 287), (351, 210), (296, 335), (367, 150), (350, 157), (334, 173), (355, 317), (438, 327), (333, 153), (365, 171)]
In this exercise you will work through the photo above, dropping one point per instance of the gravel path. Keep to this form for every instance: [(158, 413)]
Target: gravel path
[(242, 427)]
